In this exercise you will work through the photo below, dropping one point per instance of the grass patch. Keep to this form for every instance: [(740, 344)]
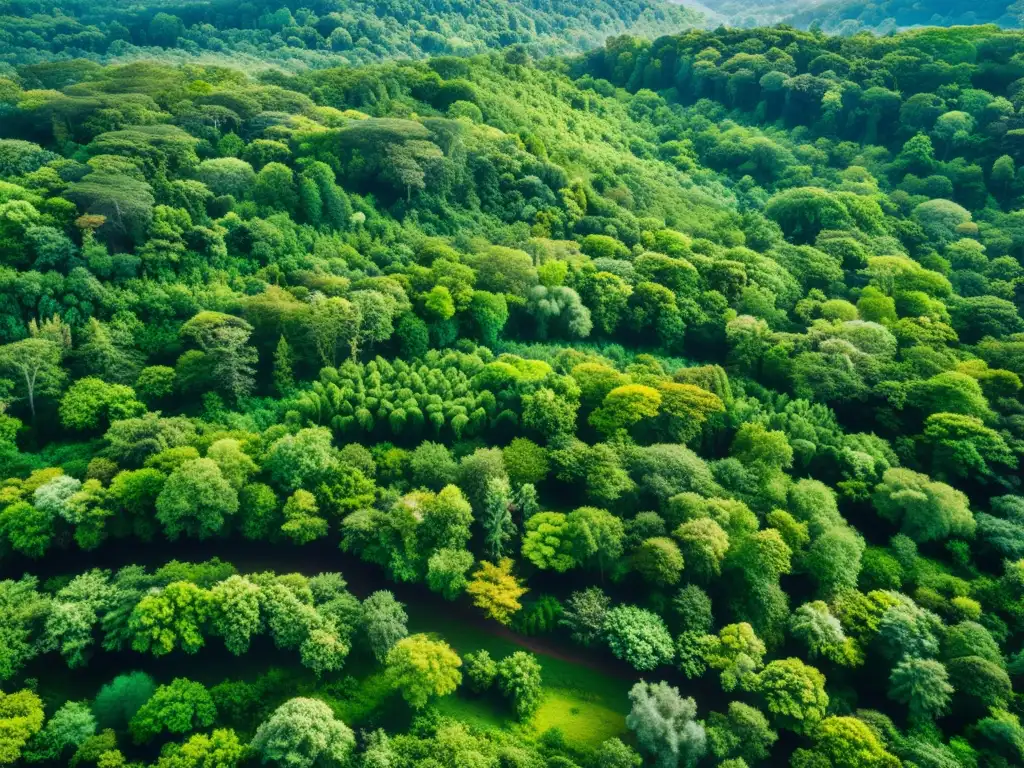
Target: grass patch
[(585, 704), (583, 721)]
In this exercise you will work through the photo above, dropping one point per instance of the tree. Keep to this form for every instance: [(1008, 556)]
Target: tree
[(107, 352), (302, 521), (496, 591), (499, 528), (21, 718), (558, 310), (446, 572), (906, 630), (949, 392), (738, 652), (27, 529), (926, 510), (638, 636), (274, 188), (445, 520), (822, 634), (519, 679), (625, 406), (963, 446), (227, 176), (548, 543), (34, 365), (1001, 735), (302, 733), (432, 466), (178, 707), (303, 460), (90, 402), (692, 606), (154, 383), (703, 545), (742, 733), (550, 414), (659, 561), (804, 212), (124, 203), (584, 615), (971, 639), (525, 462), (614, 754), (422, 668), (384, 619), (172, 617), (221, 748), (597, 537), (335, 324), (685, 409), (793, 693), (979, 684), (196, 500), (235, 612), (481, 670), (476, 472), (118, 701), (847, 742), (490, 313), (69, 726), (833, 559), (235, 465), (665, 725), (923, 685), (284, 375)]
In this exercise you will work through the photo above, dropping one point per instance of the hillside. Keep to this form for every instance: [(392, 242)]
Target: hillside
[(657, 405), (847, 17), (263, 33)]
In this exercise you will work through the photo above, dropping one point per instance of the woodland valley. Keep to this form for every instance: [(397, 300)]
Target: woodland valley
[(511, 384)]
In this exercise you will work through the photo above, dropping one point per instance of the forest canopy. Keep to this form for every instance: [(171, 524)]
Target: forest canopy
[(658, 405)]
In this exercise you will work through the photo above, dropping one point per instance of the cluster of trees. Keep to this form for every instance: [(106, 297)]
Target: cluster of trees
[(237, 722), (320, 34), (598, 346), (178, 606)]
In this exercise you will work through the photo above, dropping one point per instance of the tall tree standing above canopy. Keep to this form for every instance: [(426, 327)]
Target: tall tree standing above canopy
[(34, 365)]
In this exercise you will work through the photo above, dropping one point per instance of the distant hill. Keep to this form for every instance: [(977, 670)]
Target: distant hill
[(851, 16), (318, 33)]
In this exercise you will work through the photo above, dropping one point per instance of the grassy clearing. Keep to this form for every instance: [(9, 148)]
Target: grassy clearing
[(585, 704)]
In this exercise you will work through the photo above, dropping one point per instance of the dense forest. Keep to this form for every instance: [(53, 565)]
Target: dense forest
[(658, 405), (326, 33)]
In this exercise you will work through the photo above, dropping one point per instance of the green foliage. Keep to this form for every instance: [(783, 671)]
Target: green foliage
[(118, 701), (181, 706), (303, 732), (496, 591), (221, 747), (384, 619), (547, 542), (793, 693), (21, 719), (196, 500), (519, 678), (665, 724), (66, 730), (638, 636), (480, 669), (421, 669), (679, 315)]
